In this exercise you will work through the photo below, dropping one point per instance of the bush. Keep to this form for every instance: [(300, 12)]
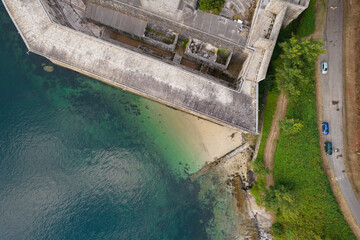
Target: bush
[(277, 229), (213, 6), (290, 126), (281, 200)]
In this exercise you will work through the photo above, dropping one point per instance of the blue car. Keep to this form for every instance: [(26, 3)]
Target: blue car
[(325, 128)]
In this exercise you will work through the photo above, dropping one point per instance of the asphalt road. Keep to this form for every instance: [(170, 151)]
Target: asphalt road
[(333, 101)]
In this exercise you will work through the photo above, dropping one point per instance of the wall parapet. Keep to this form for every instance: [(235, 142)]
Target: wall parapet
[(44, 33), (131, 71)]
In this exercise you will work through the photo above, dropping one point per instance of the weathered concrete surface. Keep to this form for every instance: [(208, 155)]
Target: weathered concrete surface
[(217, 34), (115, 19), (132, 71)]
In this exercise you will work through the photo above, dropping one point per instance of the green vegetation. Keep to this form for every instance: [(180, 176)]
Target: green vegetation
[(213, 6), (258, 164), (307, 24), (186, 43), (281, 200), (296, 68), (303, 26), (222, 50), (222, 55), (165, 39), (148, 29), (137, 38), (302, 199), (290, 126)]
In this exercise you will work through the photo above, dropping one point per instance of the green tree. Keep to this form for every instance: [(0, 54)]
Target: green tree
[(213, 6), (295, 71), (290, 126)]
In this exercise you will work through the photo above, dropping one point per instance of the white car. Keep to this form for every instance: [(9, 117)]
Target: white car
[(324, 67)]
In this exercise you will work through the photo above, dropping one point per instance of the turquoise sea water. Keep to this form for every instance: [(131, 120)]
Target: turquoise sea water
[(81, 160)]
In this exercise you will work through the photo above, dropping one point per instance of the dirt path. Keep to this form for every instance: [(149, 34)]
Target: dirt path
[(270, 146)]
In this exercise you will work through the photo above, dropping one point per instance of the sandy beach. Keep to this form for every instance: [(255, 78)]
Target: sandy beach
[(205, 140)]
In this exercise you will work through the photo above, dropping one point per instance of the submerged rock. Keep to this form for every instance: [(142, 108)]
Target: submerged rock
[(48, 68)]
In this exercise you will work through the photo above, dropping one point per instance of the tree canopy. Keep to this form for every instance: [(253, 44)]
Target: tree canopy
[(213, 6), (295, 70)]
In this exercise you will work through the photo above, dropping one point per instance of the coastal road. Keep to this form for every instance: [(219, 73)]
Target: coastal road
[(333, 101)]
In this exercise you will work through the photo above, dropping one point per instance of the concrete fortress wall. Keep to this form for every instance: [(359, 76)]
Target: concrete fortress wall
[(132, 71), (279, 13), (153, 78), (273, 37)]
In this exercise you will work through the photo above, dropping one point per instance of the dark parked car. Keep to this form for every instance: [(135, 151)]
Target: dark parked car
[(325, 128), (328, 148)]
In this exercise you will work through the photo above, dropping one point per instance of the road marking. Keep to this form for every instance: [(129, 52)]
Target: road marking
[(338, 178)]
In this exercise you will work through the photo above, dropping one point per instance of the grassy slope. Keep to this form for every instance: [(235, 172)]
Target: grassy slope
[(307, 22), (298, 164)]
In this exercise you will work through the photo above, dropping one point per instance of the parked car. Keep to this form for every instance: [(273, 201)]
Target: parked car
[(328, 148), (324, 67), (325, 128)]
